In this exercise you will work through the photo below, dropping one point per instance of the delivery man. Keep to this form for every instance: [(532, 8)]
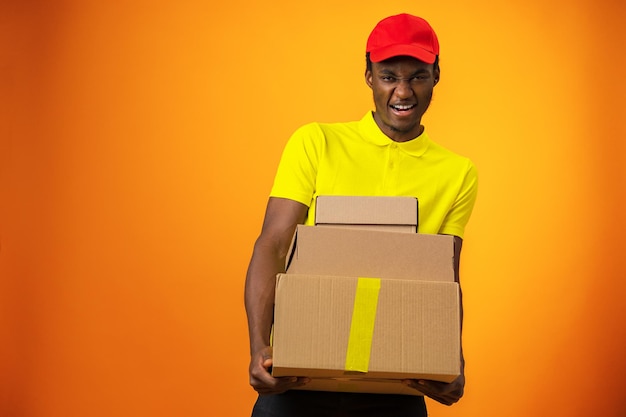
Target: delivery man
[(386, 153)]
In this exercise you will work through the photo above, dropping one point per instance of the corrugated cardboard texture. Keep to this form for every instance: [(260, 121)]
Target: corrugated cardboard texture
[(416, 332), (371, 253), (380, 213)]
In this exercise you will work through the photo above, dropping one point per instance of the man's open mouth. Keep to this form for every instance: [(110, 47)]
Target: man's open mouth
[(402, 107)]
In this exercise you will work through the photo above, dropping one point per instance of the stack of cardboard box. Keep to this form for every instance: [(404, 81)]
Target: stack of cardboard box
[(366, 301)]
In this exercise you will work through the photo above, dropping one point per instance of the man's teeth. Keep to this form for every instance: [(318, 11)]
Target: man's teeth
[(403, 107)]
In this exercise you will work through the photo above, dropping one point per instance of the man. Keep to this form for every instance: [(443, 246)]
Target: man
[(385, 153)]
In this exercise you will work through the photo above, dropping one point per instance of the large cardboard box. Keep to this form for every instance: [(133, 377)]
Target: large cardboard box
[(371, 253), (398, 214), (365, 334)]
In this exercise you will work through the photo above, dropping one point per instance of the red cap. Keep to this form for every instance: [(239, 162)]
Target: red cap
[(405, 35)]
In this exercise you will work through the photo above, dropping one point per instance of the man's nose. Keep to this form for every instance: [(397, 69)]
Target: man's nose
[(403, 89)]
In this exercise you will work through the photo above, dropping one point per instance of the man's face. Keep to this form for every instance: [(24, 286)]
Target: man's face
[(402, 88)]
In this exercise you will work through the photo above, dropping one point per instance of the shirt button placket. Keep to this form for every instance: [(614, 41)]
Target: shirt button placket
[(393, 156)]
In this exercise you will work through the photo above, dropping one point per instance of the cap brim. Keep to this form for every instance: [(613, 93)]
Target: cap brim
[(391, 51)]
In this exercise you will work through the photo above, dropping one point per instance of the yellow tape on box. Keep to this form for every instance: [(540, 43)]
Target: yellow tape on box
[(362, 325)]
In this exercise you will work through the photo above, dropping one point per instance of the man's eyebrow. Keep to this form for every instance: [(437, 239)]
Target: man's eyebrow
[(421, 71)]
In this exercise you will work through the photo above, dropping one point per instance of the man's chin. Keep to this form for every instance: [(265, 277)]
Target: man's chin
[(403, 128)]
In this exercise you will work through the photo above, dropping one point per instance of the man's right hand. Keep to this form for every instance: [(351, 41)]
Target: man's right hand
[(261, 379)]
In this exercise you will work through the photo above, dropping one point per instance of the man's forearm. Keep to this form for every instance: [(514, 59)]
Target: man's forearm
[(265, 264)]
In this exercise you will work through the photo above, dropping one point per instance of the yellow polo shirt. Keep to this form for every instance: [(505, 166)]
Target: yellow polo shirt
[(357, 158)]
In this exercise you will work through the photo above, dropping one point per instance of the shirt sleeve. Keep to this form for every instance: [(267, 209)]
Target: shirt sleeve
[(461, 210), (297, 171)]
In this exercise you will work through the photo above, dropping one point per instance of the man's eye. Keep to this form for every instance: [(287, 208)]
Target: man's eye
[(387, 78)]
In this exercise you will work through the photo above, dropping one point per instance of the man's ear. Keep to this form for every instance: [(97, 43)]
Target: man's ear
[(368, 77), (436, 75)]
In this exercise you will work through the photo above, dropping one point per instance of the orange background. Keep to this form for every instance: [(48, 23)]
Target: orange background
[(138, 145)]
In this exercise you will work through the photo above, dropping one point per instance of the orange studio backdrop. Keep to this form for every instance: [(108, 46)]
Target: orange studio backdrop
[(138, 143)]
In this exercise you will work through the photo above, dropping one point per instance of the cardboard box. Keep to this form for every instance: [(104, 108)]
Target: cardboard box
[(371, 253), (398, 214), (352, 384), (365, 334)]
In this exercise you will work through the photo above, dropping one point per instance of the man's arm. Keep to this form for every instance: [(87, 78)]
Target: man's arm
[(268, 259), (442, 392)]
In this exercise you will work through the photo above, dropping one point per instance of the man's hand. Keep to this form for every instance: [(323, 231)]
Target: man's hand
[(263, 382), (445, 393)]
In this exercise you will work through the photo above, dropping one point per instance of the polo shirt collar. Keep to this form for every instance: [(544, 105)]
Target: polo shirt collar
[(373, 134)]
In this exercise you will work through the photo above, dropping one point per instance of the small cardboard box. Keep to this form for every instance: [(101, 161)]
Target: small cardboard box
[(371, 253), (365, 334), (398, 214)]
